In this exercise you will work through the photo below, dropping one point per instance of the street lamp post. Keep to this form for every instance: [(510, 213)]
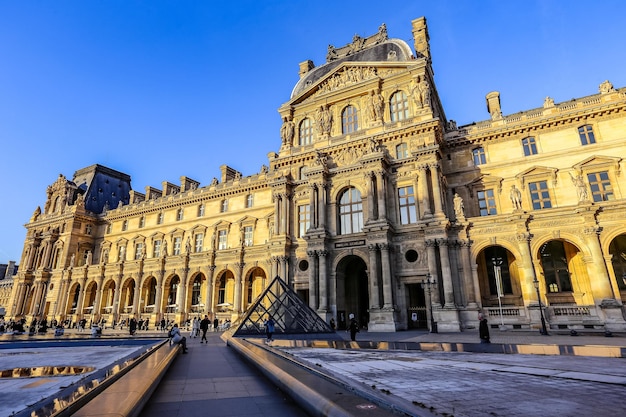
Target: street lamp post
[(544, 331), (497, 272), (429, 284)]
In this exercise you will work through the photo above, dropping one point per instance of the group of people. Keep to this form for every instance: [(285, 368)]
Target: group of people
[(203, 325)]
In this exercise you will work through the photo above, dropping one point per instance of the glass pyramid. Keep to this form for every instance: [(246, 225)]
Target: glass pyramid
[(291, 315)]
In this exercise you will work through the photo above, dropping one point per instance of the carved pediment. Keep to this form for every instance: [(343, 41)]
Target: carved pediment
[(483, 182), (599, 162)]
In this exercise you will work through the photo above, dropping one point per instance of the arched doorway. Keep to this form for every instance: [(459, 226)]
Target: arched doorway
[(499, 278), (559, 260), (352, 291), (254, 286)]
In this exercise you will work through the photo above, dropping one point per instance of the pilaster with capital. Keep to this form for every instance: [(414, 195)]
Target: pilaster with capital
[(208, 296), (432, 267), (381, 194), (238, 286), (313, 205), (526, 269), (434, 176), (448, 289), (117, 295), (181, 296), (386, 272), (81, 296), (423, 192), (369, 178), (471, 288), (600, 285), (312, 283)]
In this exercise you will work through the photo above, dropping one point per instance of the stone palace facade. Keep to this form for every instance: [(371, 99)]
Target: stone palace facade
[(376, 205)]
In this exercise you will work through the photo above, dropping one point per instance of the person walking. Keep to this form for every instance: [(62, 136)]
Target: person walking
[(269, 329), (353, 328), (178, 338), (483, 329), (195, 327), (204, 326), (132, 326), (216, 323)]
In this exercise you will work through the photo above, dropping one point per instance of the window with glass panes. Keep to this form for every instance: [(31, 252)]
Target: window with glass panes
[(247, 235), (221, 239), (406, 202), (304, 219), (177, 244), (156, 250), (142, 222), (249, 200), (138, 250), (402, 151), (198, 242), (539, 195), (179, 214), (600, 185), (479, 156), (351, 212), (306, 132), (125, 225), (349, 120), (121, 253), (224, 206), (201, 210), (399, 106), (195, 291), (486, 202), (160, 218), (530, 146), (586, 135)]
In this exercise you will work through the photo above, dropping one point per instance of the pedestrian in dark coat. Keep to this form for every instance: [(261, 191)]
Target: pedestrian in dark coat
[(483, 329), (204, 326), (354, 329)]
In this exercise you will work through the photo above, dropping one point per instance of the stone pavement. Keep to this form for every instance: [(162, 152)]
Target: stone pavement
[(213, 378)]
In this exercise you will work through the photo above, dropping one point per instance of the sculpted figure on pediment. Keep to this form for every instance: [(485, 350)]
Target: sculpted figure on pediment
[(332, 53), (548, 102), (36, 214), (606, 87)]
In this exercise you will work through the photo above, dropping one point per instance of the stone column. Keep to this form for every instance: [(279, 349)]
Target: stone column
[(312, 283), (600, 284), (35, 301), (322, 254), (136, 296), (238, 286), (386, 272), (424, 192), (526, 269), (158, 302), (312, 205), (284, 214), (117, 295), (448, 289), (81, 296), (322, 192), (373, 277), (381, 194), (96, 303), (181, 296), (470, 289), (434, 176), (284, 270), (432, 267), (208, 294), (276, 214), (371, 198)]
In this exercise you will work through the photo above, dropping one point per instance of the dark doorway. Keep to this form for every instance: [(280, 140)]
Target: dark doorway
[(352, 279), (417, 307)]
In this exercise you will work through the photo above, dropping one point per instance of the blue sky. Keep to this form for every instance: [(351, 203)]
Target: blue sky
[(161, 89)]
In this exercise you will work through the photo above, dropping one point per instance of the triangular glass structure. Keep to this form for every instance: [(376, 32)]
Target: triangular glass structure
[(291, 315)]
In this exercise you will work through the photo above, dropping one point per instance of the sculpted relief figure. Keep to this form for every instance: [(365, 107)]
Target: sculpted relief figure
[(548, 102), (420, 91), (459, 208), (323, 120), (287, 131), (581, 187), (36, 214), (606, 87), (516, 197)]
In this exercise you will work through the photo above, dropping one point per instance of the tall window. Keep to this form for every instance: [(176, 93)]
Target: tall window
[(539, 195), (124, 225), (156, 250), (179, 214), (198, 242), (142, 222), (224, 206), (121, 253), (350, 212), (160, 218), (479, 156), (555, 266), (530, 146), (406, 201), (586, 135), (496, 257), (88, 229), (601, 189), (201, 210), (402, 151), (487, 203), (249, 200), (177, 244), (138, 250), (171, 297), (108, 231), (221, 239), (349, 120), (304, 219), (399, 106), (195, 291), (247, 236), (221, 293), (306, 132)]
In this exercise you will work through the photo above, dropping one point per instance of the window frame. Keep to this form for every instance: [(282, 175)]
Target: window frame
[(305, 132), (350, 211), (304, 219), (398, 109), (486, 211), (349, 120), (402, 150), (407, 205), (479, 156), (599, 191), (529, 146), (537, 201), (586, 135)]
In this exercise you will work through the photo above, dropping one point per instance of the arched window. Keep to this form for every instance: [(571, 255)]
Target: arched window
[(398, 106), (221, 293), (195, 291), (171, 297), (306, 132), (349, 120), (350, 212), (555, 267)]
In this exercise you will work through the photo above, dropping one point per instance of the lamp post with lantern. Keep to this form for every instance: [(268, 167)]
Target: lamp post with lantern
[(429, 284), (544, 330)]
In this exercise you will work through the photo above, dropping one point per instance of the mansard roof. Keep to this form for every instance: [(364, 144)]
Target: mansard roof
[(388, 50)]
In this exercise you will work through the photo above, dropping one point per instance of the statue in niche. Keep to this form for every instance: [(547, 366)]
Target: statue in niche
[(581, 187), (72, 260), (371, 113), (89, 258), (379, 105), (459, 208), (188, 245), (516, 197), (164, 250), (323, 120), (287, 131)]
